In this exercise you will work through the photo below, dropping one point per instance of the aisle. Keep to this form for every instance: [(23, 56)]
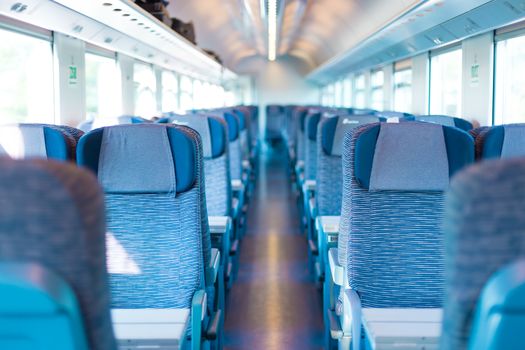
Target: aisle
[(273, 304)]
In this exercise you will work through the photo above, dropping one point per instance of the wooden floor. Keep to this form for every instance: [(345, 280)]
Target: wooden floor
[(273, 304)]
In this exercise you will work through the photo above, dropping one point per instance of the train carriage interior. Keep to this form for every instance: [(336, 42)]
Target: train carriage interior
[(262, 174)]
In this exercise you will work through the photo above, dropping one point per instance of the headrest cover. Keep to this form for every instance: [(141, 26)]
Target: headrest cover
[(343, 125), (200, 124), (312, 122), (136, 159), (410, 157), (513, 141), (437, 119), (23, 141)]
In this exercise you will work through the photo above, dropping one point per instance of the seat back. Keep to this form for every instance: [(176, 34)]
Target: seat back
[(502, 141), (21, 141), (310, 140), (446, 120), (158, 236), (244, 137), (274, 119), (216, 160), (234, 144), (484, 231), (329, 149), (300, 116), (394, 178), (53, 278)]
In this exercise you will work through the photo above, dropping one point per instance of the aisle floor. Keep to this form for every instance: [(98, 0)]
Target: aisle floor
[(273, 304)]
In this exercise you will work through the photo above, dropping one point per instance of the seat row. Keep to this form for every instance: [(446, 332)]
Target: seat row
[(408, 258), (142, 252)]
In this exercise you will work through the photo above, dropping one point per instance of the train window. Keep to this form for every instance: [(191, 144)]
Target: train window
[(347, 92), (445, 83), (377, 79), (145, 90), (101, 86), (186, 93), (338, 94), (170, 92), (403, 90), (360, 91), (26, 78), (510, 90), (328, 98)]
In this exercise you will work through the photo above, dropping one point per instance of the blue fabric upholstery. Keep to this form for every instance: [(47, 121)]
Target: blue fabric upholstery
[(460, 123), (212, 132), (309, 143), (393, 114), (391, 242), (53, 215), (484, 230), (329, 149), (156, 262), (21, 141)]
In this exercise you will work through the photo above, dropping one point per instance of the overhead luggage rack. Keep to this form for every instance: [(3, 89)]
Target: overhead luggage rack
[(122, 26)]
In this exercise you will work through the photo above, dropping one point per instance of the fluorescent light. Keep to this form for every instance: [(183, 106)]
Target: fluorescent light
[(272, 29)]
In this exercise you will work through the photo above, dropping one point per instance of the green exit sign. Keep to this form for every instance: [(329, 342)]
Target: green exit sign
[(73, 75)]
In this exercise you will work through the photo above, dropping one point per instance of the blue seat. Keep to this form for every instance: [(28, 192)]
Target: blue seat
[(445, 120), (401, 116), (217, 172), (391, 239), (274, 122), (54, 290), (485, 248), (503, 141), (159, 246), (89, 125), (21, 141)]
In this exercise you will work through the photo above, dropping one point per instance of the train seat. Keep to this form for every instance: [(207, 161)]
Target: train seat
[(503, 141), (485, 248), (217, 180), (390, 251), (54, 295), (274, 123), (20, 141), (463, 124), (165, 261)]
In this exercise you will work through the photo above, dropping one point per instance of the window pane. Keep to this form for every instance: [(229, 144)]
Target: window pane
[(101, 87), (377, 80), (170, 92), (445, 83), (145, 90), (510, 90), (403, 90), (360, 93), (186, 94), (198, 95), (347, 98), (26, 79)]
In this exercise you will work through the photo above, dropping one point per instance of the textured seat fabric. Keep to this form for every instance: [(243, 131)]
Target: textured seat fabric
[(484, 231), (158, 235), (391, 240), (216, 161), (446, 120), (503, 141), (300, 121), (53, 214), (329, 179), (310, 149), (21, 141)]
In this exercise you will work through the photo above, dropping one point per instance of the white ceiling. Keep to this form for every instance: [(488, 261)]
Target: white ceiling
[(312, 30)]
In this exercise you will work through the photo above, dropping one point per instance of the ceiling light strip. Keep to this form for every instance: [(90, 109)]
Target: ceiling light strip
[(272, 29)]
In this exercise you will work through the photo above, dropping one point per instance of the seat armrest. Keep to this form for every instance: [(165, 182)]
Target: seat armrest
[(214, 326), (328, 227), (198, 312), (237, 186), (246, 165), (309, 186), (236, 207), (313, 207), (336, 269), (150, 327), (352, 316), (213, 269), (219, 224)]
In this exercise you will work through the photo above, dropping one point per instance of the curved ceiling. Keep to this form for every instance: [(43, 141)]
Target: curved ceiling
[(312, 30)]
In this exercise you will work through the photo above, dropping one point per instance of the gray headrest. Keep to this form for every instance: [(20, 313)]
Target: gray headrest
[(343, 125), (200, 124), (410, 157), (136, 159), (513, 142), (438, 119), (23, 141)]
